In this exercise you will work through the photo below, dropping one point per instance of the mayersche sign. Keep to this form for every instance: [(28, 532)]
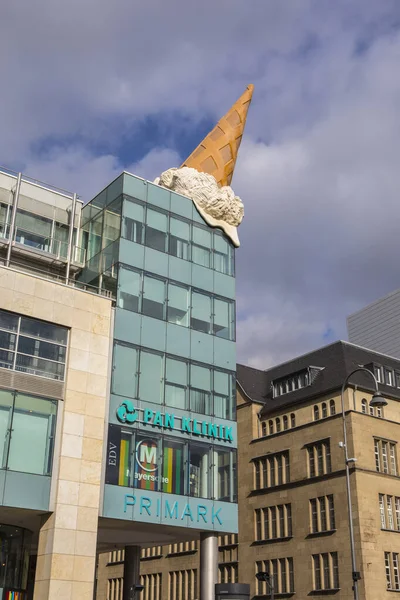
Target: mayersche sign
[(128, 414)]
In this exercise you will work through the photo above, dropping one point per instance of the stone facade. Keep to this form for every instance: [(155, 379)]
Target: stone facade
[(67, 539)]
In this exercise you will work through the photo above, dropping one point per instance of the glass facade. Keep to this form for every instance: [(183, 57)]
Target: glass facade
[(15, 545), (27, 429), (173, 355)]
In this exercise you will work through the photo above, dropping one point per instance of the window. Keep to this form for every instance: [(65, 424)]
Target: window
[(223, 255), (389, 379), (176, 375), (156, 230), (163, 379), (129, 289), (385, 456), (285, 422), (292, 420), (397, 378), (179, 238), (322, 514), (325, 571), (378, 373), (223, 321), (199, 470), (364, 405), (152, 583), (182, 548), (201, 247), (324, 410), (116, 556), (154, 296), (228, 573), (31, 346), (272, 470), (271, 426), (178, 305), (153, 552), (278, 424), (27, 430), (132, 223), (392, 571), (291, 383), (264, 430), (379, 412), (273, 522), (281, 569), (114, 588), (389, 511), (332, 407), (372, 411), (183, 585), (316, 412), (201, 312), (319, 459)]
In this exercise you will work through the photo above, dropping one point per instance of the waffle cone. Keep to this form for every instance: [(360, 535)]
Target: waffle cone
[(217, 153)]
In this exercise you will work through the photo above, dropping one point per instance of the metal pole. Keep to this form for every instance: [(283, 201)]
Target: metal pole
[(208, 565), (70, 237), (13, 218), (348, 488)]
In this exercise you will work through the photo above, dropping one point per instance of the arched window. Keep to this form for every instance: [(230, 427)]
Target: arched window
[(332, 407), (271, 426), (285, 422), (292, 420), (263, 428), (372, 411), (316, 412), (278, 424), (364, 406), (379, 412), (324, 410)]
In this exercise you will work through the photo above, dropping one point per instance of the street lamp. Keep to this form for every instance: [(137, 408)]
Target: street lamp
[(265, 576), (377, 400)]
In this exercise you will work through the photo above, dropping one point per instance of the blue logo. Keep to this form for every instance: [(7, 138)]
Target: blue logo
[(126, 413)]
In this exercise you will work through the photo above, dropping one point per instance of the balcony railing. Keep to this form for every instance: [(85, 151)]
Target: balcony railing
[(47, 244)]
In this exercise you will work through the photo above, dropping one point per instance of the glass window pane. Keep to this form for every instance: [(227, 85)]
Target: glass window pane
[(150, 377), (173, 468), (31, 444), (39, 366), (133, 210), (156, 228), (201, 256), (222, 395), (6, 402), (147, 461), (46, 331), (8, 321), (178, 305), (124, 371), (153, 297), (129, 289), (200, 377), (179, 238), (221, 474), (221, 383), (223, 322), (41, 349), (179, 229), (202, 237), (200, 396), (176, 383), (201, 312), (199, 465), (7, 340), (6, 359)]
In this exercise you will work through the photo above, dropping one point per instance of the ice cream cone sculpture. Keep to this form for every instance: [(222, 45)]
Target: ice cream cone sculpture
[(218, 152)]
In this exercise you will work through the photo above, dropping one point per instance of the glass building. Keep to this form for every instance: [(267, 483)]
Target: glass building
[(171, 452)]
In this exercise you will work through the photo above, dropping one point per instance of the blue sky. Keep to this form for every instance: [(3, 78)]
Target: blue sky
[(89, 89)]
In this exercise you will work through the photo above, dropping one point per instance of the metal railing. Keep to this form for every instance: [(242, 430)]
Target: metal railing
[(48, 244)]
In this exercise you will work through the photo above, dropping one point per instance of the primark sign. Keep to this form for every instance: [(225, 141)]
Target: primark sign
[(128, 414)]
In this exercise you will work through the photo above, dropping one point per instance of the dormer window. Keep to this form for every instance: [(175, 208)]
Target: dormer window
[(295, 381)]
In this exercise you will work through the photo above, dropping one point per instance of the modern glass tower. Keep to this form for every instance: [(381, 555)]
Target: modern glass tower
[(171, 450)]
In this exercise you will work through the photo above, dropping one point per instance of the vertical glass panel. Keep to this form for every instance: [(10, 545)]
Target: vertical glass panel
[(199, 463), (223, 319), (153, 297), (31, 443), (221, 477), (178, 305), (201, 312), (46, 331), (173, 480), (201, 247), (150, 379), (222, 255), (124, 378), (112, 222), (132, 222), (222, 395), (156, 228), (8, 321), (200, 392), (175, 383), (179, 238), (129, 289), (147, 463), (6, 402), (95, 231)]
